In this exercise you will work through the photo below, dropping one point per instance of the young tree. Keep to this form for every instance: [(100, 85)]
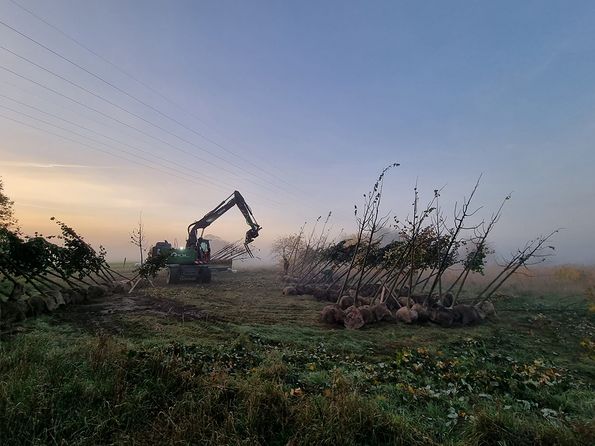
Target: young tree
[(368, 226), (285, 247), (137, 237)]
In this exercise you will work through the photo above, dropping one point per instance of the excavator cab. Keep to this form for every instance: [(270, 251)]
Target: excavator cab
[(203, 250)]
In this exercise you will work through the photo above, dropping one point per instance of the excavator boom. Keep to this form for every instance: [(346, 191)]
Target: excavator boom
[(234, 199)]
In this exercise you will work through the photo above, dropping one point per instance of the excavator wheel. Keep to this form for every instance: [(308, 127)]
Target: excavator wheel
[(173, 275), (204, 275)]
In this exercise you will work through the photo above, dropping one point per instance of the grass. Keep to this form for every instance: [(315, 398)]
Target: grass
[(261, 369)]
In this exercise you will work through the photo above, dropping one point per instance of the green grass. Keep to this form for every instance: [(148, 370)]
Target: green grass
[(263, 370)]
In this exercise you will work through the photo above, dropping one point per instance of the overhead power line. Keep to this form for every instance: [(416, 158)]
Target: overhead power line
[(160, 140), (181, 166), (144, 84), (100, 78), (135, 115), (191, 175), (170, 171), (98, 149), (86, 48)]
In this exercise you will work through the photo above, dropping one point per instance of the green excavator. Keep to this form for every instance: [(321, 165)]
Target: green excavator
[(194, 261)]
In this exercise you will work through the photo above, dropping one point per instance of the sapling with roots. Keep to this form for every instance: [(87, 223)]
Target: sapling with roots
[(37, 275), (284, 248), (535, 251), (424, 265), (368, 221), (137, 238)]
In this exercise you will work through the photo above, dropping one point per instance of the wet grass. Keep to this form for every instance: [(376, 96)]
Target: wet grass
[(264, 370)]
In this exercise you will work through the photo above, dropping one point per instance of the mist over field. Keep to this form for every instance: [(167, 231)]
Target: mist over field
[(107, 216)]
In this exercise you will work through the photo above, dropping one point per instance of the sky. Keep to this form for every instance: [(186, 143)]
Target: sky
[(163, 108)]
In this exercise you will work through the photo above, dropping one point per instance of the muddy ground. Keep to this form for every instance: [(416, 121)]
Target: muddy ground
[(244, 297)]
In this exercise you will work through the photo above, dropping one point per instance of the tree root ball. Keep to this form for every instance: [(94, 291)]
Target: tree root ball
[(321, 293), (333, 294), (300, 289), (406, 315), (368, 314), (346, 302), (466, 314), (423, 314), (353, 318), (364, 300), (308, 289), (289, 291), (50, 302), (486, 309), (119, 289), (77, 296), (18, 291), (421, 299), (36, 304), (332, 314), (442, 316), (382, 313)]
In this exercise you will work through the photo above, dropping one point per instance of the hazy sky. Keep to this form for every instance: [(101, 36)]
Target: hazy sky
[(302, 104)]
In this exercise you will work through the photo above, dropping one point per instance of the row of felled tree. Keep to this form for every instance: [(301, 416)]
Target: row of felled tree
[(41, 273), (417, 269), (38, 276)]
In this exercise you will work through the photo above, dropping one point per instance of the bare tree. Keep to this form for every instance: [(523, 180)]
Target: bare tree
[(365, 267), (531, 253), (475, 260), (368, 221), (284, 248), (137, 237), (459, 220)]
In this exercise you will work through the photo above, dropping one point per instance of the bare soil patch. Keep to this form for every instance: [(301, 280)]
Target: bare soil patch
[(105, 313)]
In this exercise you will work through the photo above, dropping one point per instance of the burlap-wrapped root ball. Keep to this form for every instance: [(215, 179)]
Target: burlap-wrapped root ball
[(353, 318), (332, 314), (406, 315), (346, 302), (486, 309), (368, 314), (466, 315), (442, 316), (423, 314), (289, 291), (382, 313)]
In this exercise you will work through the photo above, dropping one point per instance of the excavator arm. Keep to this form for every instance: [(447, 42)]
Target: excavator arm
[(234, 199)]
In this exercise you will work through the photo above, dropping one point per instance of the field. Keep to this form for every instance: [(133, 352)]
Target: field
[(234, 362)]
